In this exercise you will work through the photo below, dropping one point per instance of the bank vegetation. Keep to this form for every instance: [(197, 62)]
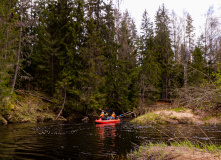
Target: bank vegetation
[(175, 151), (87, 55)]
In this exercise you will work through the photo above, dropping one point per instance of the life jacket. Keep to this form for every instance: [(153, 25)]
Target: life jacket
[(102, 115), (113, 115)]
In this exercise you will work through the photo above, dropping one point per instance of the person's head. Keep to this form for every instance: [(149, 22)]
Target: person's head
[(102, 112), (113, 113)]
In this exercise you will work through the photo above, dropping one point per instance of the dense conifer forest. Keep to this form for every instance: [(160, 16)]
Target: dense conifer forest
[(87, 55)]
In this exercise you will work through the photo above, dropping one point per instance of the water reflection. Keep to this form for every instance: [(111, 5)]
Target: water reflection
[(106, 132), (89, 141)]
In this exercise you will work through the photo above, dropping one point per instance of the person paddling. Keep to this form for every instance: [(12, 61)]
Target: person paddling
[(113, 116), (102, 116)]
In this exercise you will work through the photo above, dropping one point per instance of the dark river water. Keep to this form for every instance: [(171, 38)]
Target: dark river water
[(89, 141)]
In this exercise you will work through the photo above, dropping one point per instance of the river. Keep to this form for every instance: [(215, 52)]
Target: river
[(80, 140)]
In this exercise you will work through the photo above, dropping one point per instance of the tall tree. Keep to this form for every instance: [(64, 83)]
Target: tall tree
[(52, 32), (148, 66), (198, 67), (211, 39), (121, 64), (176, 36), (8, 44), (94, 56), (70, 54), (43, 58), (25, 41), (163, 48), (189, 37), (189, 46)]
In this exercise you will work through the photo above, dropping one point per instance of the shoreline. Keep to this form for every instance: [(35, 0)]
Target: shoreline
[(177, 116), (176, 151)]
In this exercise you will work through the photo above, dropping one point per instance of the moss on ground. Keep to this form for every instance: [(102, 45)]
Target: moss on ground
[(25, 108)]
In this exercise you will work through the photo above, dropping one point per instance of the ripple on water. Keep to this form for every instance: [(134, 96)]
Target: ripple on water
[(90, 141)]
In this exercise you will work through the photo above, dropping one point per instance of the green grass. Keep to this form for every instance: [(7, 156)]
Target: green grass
[(144, 150), (179, 109), (149, 118), (206, 118), (25, 108)]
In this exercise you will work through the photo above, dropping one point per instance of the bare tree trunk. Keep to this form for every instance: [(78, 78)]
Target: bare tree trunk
[(52, 73), (185, 75), (6, 45), (62, 105), (19, 51), (144, 88), (140, 96), (185, 65)]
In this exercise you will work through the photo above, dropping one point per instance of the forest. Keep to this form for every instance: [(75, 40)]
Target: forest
[(87, 55)]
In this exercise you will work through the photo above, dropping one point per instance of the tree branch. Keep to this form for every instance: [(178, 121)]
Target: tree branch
[(62, 105)]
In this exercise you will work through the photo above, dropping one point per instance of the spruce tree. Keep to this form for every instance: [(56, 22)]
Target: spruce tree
[(45, 49), (163, 49), (197, 69), (149, 70), (58, 59), (120, 80)]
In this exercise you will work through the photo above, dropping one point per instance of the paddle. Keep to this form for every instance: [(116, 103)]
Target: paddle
[(126, 114)]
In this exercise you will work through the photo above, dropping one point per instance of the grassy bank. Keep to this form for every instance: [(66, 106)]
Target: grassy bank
[(27, 108), (177, 116), (176, 150)]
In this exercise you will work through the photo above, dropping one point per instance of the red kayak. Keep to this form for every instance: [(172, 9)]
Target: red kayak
[(100, 121)]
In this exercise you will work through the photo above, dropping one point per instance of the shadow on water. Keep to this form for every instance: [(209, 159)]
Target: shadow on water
[(89, 141)]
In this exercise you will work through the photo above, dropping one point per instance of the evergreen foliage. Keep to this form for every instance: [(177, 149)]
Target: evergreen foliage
[(88, 56), (8, 45), (163, 51)]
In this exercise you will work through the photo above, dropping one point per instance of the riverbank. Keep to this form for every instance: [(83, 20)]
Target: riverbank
[(178, 149), (178, 116), (28, 108), (34, 107), (181, 150)]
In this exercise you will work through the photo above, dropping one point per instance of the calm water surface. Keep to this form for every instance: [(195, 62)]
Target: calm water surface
[(89, 141)]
